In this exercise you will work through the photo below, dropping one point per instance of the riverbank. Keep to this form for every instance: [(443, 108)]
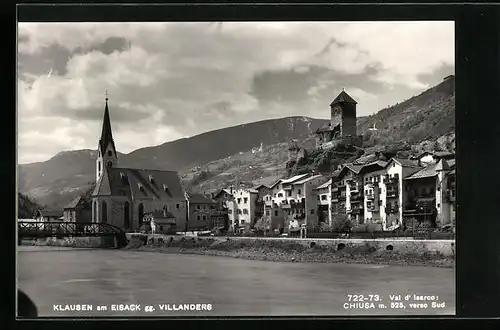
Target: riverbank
[(288, 251)]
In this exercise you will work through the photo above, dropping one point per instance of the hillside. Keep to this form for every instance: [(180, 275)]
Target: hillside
[(216, 159), (26, 207), (60, 179)]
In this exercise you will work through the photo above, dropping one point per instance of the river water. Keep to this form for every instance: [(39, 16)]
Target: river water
[(55, 277)]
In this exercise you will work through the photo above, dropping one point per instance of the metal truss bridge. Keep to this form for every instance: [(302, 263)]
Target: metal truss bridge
[(60, 229)]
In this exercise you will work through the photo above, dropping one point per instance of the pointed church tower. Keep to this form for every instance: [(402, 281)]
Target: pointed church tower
[(106, 151)]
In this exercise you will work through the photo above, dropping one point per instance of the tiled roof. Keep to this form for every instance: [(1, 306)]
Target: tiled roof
[(325, 185), (227, 191), (274, 184), (51, 213), (374, 166), (294, 178), (308, 179), (442, 165), (406, 162), (350, 167), (443, 154), (260, 186), (426, 172), (343, 97), (74, 203), (136, 183), (199, 198)]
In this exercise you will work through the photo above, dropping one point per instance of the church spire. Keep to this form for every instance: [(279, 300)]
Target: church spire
[(106, 135)]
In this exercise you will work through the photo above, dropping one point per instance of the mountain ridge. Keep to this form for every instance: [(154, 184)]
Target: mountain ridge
[(229, 154)]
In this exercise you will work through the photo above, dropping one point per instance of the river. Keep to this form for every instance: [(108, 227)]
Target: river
[(55, 277)]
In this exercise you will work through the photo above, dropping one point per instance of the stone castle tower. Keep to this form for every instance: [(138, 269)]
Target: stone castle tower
[(106, 151), (343, 115)]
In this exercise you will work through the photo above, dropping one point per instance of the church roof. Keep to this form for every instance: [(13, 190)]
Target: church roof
[(106, 134), (139, 183), (343, 97)]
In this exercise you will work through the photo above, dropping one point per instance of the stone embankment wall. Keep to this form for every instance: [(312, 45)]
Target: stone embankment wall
[(77, 242), (445, 248)]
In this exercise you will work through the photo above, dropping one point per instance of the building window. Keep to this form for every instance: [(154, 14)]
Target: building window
[(198, 217), (267, 212), (276, 213), (99, 167), (177, 206), (161, 228), (197, 207), (204, 207), (110, 164), (242, 221), (438, 205), (312, 211), (323, 197), (239, 200), (300, 192), (245, 211), (239, 211), (280, 195), (204, 217), (245, 200), (110, 153)]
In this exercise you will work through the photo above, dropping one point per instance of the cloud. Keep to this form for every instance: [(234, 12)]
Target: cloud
[(171, 80)]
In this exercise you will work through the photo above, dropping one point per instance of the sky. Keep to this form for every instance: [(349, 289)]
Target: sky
[(169, 80)]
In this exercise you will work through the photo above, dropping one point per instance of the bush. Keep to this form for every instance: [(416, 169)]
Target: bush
[(341, 223), (325, 227), (263, 224)]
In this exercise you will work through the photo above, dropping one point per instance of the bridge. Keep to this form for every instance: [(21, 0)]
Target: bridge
[(60, 229)]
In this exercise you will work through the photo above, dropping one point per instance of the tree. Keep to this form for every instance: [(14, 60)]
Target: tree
[(263, 224), (341, 223)]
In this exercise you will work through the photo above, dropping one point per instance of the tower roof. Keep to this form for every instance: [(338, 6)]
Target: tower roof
[(106, 135), (343, 97)]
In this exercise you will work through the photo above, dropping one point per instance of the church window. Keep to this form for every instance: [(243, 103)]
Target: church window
[(204, 217), (110, 153), (197, 207), (110, 164), (99, 167), (177, 206), (198, 217)]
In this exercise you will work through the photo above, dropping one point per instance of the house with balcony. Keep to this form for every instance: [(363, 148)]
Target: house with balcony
[(384, 195), (430, 195), (324, 193), (304, 205), (351, 191)]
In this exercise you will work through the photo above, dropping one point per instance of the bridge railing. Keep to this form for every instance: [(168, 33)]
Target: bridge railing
[(70, 229)]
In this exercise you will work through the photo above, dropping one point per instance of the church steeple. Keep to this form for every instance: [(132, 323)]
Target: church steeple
[(106, 135), (106, 156)]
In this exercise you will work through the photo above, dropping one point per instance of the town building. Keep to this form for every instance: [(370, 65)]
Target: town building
[(200, 209), (384, 199), (78, 211), (123, 196), (324, 193), (242, 208), (350, 193), (163, 222), (49, 215), (431, 194), (342, 126)]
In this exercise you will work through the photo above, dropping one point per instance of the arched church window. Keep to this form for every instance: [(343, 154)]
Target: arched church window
[(110, 153), (110, 164), (99, 166)]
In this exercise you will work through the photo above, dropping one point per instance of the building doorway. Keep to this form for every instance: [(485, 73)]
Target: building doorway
[(141, 214), (104, 212), (126, 215)]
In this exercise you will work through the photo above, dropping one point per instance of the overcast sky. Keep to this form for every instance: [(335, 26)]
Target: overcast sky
[(171, 80)]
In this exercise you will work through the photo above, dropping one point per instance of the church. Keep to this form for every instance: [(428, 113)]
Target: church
[(123, 196)]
